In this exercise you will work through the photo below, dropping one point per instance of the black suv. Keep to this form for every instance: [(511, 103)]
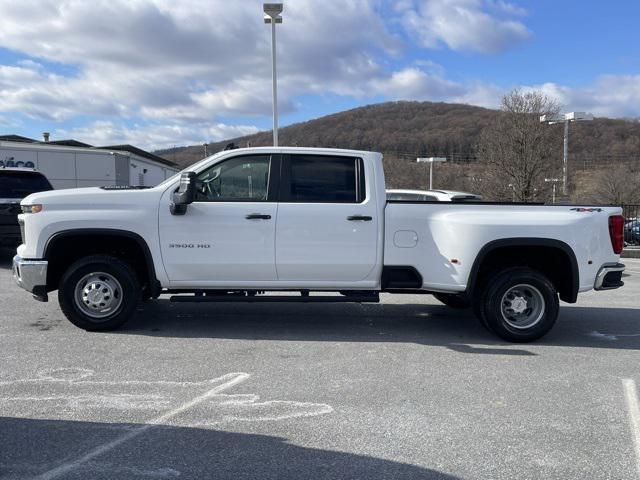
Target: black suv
[(16, 184)]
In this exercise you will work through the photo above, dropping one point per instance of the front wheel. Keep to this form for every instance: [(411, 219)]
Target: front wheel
[(99, 292), (519, 305)]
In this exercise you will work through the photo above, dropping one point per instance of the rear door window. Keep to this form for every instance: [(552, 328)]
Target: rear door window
[(323, 179)]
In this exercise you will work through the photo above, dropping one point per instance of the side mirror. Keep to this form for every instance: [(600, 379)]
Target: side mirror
[(185, 195)]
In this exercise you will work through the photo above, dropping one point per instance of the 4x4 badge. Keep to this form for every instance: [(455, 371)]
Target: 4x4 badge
[(189, 245)]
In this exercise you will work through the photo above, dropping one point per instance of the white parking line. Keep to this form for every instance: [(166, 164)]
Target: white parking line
[(633, 405), (229, 380)]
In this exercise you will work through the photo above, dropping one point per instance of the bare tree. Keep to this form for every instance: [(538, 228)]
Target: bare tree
[(618, 184), (518, 150)]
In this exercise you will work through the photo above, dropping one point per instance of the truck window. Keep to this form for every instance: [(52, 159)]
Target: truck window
[(21, 184), (239, 179), (324, 179)]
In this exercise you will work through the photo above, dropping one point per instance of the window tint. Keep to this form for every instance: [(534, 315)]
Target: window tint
[(235, 180), (21, 184), (323, 179)]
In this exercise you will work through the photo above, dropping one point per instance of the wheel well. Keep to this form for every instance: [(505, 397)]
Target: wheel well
[(556, 261), (65, 248)]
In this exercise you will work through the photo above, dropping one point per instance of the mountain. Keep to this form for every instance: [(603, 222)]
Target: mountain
[(411, 129)]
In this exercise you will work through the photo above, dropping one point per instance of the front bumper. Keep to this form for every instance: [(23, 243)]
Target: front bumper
[(609, 276), (32, 276)]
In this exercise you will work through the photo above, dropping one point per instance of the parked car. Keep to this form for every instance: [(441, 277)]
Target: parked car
[(632, 232), (248, 221), (16, 184), (432, 196)]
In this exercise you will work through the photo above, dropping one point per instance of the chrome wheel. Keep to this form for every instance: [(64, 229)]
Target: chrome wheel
[(98, 295), (522, 306)]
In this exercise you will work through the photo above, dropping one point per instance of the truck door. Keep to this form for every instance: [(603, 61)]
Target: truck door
[(227, 236), (327, 225)]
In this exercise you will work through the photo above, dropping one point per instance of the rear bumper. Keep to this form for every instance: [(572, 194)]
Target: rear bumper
[(609, 277), (32, 276)]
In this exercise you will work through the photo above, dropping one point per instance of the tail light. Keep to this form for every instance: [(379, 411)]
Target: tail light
[(616, 232)]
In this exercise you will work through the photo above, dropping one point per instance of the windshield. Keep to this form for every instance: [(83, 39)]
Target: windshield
[(21, 184)]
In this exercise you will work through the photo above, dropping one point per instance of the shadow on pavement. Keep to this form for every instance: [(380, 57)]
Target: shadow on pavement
[(32, 447), (425, 324)]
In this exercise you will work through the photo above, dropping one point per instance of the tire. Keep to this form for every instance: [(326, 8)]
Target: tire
[(519, 305), (453, 300), (99, 293)]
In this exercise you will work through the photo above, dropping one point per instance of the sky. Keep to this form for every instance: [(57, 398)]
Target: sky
[(160, 73)]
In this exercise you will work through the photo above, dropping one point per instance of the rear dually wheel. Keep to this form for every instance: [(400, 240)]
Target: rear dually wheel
[(519, 305)]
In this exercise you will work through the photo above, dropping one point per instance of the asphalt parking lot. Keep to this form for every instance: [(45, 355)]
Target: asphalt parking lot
[(405, 389)]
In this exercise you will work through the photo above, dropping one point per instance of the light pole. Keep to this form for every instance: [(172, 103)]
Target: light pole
[(272, 13), (554, 181), (205, 145), (566, 118), (430, 161)]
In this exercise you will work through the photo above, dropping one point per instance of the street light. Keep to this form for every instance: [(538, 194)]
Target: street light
[(553, 181), (272, 13), (566, 118), (431, 161)]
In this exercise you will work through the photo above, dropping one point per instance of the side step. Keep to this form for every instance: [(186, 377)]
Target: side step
[(373, 298)]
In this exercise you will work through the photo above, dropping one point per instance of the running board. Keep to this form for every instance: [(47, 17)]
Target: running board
[(276, 298)]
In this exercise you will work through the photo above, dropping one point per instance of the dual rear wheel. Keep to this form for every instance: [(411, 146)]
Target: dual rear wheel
[(517, 304)]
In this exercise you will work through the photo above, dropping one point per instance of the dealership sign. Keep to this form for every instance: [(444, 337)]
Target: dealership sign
[(10, 162)]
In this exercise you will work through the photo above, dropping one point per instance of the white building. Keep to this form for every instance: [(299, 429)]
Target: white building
[(70, 164)]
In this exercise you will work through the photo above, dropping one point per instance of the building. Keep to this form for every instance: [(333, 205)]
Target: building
[(71, 164)]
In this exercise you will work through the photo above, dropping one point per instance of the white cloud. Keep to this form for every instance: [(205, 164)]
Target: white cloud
[(508, 8), (153, 136), (416, 84), (608, 96), (31, 90), (192, 60), (477, 25)]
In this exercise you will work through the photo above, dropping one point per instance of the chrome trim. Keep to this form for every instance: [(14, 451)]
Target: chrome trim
[(29, 274), (606, 268)]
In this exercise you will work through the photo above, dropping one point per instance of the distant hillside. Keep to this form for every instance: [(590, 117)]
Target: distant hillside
[(393, 126), (409, 129)]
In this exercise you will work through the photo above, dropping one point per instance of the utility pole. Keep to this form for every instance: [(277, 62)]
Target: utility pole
[(430, 161), (553, 181), (566, 118), (272, 13)]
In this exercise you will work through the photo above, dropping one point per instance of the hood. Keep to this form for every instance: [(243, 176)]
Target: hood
[(91, 196)]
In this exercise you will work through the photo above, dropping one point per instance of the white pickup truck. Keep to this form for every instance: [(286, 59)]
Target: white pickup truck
[(246, 222)]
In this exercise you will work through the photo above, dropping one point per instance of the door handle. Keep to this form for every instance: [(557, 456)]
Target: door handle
[(355, 218), (257, 216)]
